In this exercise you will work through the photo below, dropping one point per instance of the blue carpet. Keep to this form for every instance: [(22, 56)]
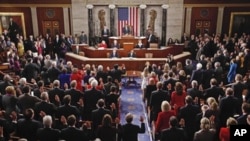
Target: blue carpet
[(131, 101)]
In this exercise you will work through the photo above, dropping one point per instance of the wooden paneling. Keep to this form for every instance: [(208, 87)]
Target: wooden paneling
[(206, 16), (35, 1), (50, 14), (27, 16), (227, 15)]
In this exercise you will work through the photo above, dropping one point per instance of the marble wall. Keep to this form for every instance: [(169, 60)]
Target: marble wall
[(79, 14)]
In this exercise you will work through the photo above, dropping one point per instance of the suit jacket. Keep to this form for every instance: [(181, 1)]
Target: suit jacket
[(56, 91), (126, 30), (115, 45), (130, 131), (242, 119), (66, 110), (90, 100), (140, 46), (188, 113), (238, 89), (194, 92), (106, 133), (28, 129), (97, 116), (204, 135), (75, 95), (26, 101), (48, 134), (131, 54), (173, 134), (105, 33), (114, 55), (48, 108), (229, 106), (72, 134), (197, 75), (151, 38), (214, 92), (156, 99)]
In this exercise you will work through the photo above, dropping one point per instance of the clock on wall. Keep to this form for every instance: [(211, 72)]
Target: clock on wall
[(204, 13), (50, 13)]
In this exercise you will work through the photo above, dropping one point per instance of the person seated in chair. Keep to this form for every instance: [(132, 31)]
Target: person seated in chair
[(139, 44), (102, 45), (114, 54), (132, 54), (115, 44)]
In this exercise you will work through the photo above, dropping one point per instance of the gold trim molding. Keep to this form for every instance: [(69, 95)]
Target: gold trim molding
[(233, 14), (35, 5)]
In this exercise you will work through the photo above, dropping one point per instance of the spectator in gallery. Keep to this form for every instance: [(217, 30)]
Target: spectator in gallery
[(139, 44), (132, 54), (115, 44), (83, 38), (102, 45)]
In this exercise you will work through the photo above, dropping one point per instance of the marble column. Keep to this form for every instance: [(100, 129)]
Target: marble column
[(112, 19), (220, 20), (188, 20), (66, 21), (142, 19), (90, 24), (34, 22), (164, 24)]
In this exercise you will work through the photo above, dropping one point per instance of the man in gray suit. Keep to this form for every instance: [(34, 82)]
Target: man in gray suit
[(83, 38)]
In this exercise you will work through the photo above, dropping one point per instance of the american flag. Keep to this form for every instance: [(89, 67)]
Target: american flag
[(128, 15)]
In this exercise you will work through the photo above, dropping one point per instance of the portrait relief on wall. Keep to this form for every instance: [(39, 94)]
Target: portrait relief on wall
[(102, 18), (152, 17), (13, 22), (239, 23)]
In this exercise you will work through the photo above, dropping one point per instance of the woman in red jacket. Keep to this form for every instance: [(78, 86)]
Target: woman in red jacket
[(162, 121), (178, 97), (77, 75), (224, 134)]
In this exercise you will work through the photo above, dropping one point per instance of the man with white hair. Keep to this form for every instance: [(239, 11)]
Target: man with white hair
[(197, 74), (90, 97), (48, 133)]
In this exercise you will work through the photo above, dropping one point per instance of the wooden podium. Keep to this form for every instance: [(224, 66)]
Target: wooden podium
[(127, 46)]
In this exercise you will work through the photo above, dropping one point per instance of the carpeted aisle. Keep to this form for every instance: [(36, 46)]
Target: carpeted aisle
[(131, 101)]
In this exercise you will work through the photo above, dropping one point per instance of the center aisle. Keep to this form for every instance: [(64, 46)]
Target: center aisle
[(131, 101)]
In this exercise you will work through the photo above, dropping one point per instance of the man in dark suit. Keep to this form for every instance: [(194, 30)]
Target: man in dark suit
[(44, 107), (197, 74), (151, 38), (156, 99), (75, 94), (229, 106), (242, 119), (26, 101), (188, 113), (130, 131), (56, 92), (126, 30), (115, 44), (71, 133), (195, 93), (90, 98), (67, 109), (5, 83), (13, 30), (27, 127), (97, 114), (169, 84), (48, 133), (132, 54), (116, 73), (114, 54), (105, 34), (239, 87), (140, 44), (214, 91), (173, 133)]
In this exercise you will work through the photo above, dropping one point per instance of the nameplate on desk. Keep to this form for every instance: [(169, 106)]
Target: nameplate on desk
[(128, 43), (100, 48), (128, 58)]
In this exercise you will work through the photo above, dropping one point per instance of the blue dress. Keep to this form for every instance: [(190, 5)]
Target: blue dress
[(231, 73)]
